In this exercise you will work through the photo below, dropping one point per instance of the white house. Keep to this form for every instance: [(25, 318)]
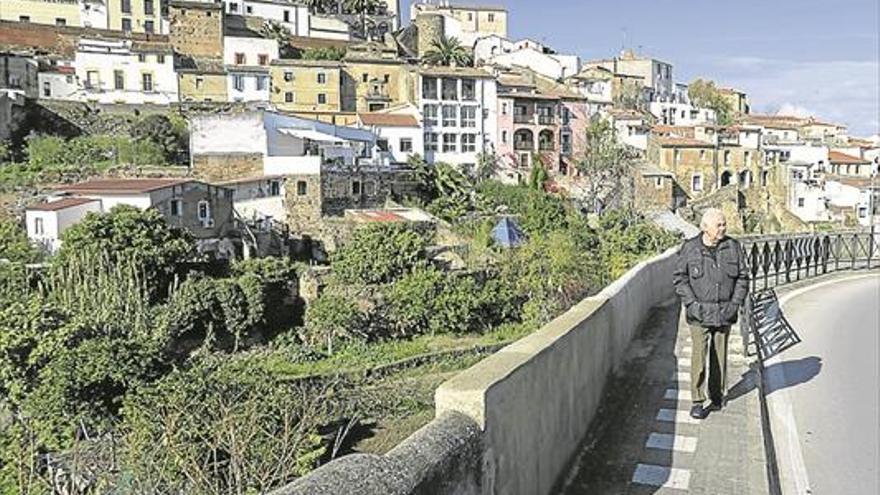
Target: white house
[(494, 50), (47, 221), (678, 113), (247, 60), (293, 16), (398, 133), (93, 14), (58, 83), (807, 197), (631, 128), (460, 113), (285, 145), (125, 71)]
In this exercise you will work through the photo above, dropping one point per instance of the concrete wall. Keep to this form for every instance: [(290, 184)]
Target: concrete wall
[(533, 400)]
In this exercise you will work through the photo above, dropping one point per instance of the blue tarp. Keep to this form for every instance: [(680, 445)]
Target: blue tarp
[(508, 234)]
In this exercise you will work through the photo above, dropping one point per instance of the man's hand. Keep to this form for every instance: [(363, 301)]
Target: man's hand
[(694, 311), (729, 311)]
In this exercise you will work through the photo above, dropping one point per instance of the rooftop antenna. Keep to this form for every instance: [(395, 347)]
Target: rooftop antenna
[(623, 41)]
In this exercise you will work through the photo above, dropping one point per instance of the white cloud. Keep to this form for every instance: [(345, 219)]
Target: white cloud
[(842, 91)]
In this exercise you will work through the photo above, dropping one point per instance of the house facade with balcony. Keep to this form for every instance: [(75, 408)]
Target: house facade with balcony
[(247, 57), (125, 71), (459, 114)]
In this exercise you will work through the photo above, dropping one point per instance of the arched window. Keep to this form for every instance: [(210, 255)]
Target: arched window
[(524, 139), (545, 140), (726, 178)]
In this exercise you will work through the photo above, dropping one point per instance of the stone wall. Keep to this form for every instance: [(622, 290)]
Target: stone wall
[(650, 196), (196, 29), (227, 166)]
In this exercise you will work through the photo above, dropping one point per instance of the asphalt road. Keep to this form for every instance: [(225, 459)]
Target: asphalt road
[(824, 391)]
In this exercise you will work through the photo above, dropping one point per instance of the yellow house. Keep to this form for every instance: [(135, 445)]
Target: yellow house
[(56, 12), (475, 21), (374, 78), (309, 88), (136, 16), (201, 80), (739, 101)]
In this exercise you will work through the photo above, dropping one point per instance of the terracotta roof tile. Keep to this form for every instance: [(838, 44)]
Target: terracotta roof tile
[(61, 204), (388, 120), (682, 142), (838, 157)]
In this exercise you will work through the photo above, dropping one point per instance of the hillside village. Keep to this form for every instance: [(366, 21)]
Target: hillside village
[(321, 107)]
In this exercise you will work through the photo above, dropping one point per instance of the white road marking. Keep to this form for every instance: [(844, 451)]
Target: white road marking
[(649, 474), (676, 394), (665, 441), (676, 416)]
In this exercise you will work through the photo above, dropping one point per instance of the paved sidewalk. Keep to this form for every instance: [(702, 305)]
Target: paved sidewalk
[(644, 441)]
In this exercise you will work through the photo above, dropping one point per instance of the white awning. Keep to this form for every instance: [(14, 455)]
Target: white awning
[(311, 135)]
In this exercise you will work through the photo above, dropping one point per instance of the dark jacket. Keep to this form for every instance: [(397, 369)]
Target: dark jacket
[(711, 288)]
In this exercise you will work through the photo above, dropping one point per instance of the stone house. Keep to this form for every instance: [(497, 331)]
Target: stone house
[(205, 210), (307, 88), (196, 28), (19, 72), (655, 75), (468, 23), (201, 80), (374, 78)]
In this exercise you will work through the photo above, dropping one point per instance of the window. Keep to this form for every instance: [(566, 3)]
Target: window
[(249, 9), (450, 144), (322, 99), (288, 76), (365, 77), (468, 143), (765, 174), (697, 183), (126, 25), (429, 88), (801, 202), (468, 89), (126, 6), (204, 212), (676, 157), (118, 79), (47, 89), (382, 144), (727, 157), (240, 59), (261, 83), (60, 21), (468, 116), (176, 208), (142, 57), (322, 78), (286, 16), (38, 226), (491, 17), (658, 182), (24, 18), (92, 80), (238, 82), (430, 112), (748, 158), (199, 82), (702, 154), (301, 188), (160, 59), (263, 59), (148, 7), (470, 16), (356, 187), (233, 7), (430, 141), (504, 137), (275, 188), (147, 82), (863, 212), (504, 108), (450, 114), (450, 89), (288, 97)]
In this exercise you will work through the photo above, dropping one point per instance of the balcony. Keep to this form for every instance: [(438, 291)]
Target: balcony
[(546, 120), (524, 145), (546, 146), (527, 118)]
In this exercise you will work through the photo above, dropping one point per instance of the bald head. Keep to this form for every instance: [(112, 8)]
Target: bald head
[(714, 226)]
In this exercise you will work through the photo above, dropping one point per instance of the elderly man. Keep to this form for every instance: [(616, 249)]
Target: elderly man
[(712, 282)]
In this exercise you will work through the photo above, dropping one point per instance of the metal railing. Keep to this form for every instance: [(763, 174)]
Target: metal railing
[(777, 260)]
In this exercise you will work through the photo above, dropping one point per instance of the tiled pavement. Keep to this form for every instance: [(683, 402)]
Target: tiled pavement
[(644, 441)]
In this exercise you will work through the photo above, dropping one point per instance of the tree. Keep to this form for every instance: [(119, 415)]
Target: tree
[(448, 52), (379, 253), (331, 317), (159, 130), (630, 96), (319, 53), (129, 234), (538, 175), (362, 8), (704, 93), (606, 164), (274, 30), (14, 244), (487, 166)]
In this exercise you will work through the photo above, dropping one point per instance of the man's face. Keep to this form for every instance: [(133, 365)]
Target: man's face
[(715, 228)]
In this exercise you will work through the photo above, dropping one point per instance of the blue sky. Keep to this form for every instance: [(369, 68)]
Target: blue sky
[(802, 56)]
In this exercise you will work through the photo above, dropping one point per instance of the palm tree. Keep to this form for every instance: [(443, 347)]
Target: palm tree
[(448, 52)]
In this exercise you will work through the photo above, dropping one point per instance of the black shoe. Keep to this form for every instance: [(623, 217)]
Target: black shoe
[(698, 412), (714, 406)]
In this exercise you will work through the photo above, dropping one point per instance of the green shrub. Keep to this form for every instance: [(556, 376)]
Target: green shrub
[(379, 253), (333, 317)]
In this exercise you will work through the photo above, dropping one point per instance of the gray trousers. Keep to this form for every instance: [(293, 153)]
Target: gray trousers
[(709, 363)]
